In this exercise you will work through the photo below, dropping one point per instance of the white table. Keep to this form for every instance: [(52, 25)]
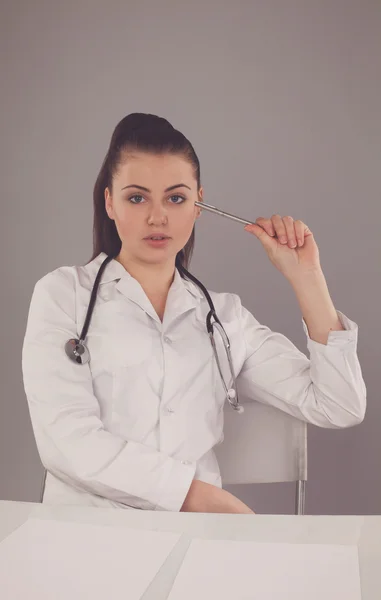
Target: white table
[(363, 531)]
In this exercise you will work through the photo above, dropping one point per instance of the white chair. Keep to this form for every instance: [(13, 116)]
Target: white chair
[(263, 445)]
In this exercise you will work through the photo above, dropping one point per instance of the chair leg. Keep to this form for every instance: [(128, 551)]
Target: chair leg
[(43, 486), (300, 497)]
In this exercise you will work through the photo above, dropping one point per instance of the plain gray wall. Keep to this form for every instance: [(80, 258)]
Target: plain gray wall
[(282, 103)]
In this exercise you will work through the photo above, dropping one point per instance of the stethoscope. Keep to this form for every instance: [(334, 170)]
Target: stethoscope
[(78, 352)]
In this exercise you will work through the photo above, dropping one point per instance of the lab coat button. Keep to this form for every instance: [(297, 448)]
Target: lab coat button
[(185, 462), (170, 410), (167, 340)]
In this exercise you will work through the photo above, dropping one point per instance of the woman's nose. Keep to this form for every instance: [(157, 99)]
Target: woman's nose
[(158, 215)]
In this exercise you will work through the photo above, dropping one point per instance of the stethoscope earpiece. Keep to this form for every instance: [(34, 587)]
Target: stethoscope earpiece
[(77, 351)]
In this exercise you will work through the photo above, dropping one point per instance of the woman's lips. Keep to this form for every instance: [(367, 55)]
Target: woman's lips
[(157, 243)]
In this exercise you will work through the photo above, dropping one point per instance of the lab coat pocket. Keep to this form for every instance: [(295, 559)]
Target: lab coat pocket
[(125, 401), (120, 345), (118, 337)]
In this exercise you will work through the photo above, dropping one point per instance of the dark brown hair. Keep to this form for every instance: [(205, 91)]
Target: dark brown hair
[(145, 133)]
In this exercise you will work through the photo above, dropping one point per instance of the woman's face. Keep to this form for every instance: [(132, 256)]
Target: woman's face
[(139, 212)]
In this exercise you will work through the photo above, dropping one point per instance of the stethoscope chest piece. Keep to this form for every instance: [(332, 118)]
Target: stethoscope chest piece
[(77, 351), (231, 396)]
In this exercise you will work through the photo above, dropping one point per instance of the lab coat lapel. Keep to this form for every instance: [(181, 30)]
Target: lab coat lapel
[(183, 295), (131, 289)]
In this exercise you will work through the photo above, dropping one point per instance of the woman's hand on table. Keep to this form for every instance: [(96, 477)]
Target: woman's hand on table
[(207, 498)]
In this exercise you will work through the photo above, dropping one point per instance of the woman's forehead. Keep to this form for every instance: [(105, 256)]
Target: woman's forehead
[(155, 165)]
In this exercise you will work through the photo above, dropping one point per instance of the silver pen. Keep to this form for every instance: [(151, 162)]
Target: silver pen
[(222, 213)]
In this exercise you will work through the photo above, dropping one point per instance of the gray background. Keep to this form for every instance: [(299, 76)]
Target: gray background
[(282, 103)]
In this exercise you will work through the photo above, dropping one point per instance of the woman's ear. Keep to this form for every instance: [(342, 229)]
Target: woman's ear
[(108, 204)]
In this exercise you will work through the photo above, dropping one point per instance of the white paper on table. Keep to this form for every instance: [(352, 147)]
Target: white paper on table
[(244, 570), (48, 559)]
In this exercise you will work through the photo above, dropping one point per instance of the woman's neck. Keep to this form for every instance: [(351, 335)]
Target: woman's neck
[(155, 279)]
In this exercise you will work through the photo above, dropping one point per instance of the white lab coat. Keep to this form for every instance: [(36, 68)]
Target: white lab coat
[(133, 427)]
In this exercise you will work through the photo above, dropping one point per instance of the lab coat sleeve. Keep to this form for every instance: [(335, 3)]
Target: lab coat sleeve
[(65, 414), (326, 390)]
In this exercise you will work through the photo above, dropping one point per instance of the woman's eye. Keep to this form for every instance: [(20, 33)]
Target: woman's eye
[(131, 199), (181, 198)]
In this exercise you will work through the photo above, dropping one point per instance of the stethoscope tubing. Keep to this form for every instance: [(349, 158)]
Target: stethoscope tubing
[(77, 350)]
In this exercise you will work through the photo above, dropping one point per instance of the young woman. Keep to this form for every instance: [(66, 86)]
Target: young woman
[(130, 417)]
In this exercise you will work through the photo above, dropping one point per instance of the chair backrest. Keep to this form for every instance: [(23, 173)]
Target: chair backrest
[(262, 445)]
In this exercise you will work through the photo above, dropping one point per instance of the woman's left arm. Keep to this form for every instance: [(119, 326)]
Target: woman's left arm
[(316, 306), (291, 247), (327, 390)]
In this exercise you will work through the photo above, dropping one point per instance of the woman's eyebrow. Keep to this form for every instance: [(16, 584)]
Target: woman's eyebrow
[(172, 187)]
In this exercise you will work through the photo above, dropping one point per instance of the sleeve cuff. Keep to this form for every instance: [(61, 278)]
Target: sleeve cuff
[(337, 338), (176, 486)]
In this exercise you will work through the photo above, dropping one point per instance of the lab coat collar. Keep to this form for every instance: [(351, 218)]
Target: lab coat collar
[(183, 294)]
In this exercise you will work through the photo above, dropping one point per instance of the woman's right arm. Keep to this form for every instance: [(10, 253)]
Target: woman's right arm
[(206, 498), (65, 414)]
